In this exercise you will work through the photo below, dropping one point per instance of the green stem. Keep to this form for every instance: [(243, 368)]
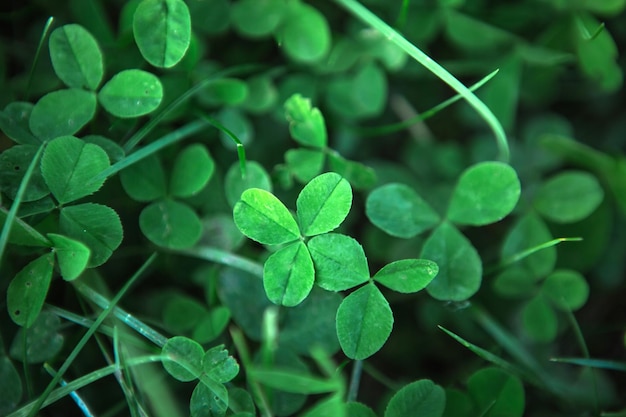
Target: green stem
[(83, 341), (355, 380), (392, 35)]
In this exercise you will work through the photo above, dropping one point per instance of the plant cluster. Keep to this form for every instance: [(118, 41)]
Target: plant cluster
[(267, 186)]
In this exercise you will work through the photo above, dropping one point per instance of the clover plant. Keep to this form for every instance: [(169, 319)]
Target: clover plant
[(231, 207)]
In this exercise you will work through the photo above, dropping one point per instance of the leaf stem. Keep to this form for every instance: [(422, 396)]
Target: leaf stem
[(355, 380)]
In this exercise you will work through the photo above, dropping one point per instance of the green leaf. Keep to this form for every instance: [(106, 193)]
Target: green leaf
[(359, 96), (97, 226), (364, 322), (340, 262), (262, 217), (182, 358), (262, 95), (569, 197), (292, 380), (399, 211), (114, 151), (485, 193), (354, 409), (235, 184), (211, 325), (14, 123), (257, 18), (170, 224), (76, 57), (407, 275), (515, 282), (458, 404), (44, 340), (224, 91), (539, 320), (305, 34), (192, 171), (496, 393), (218, 365), (27, 291), (530, 231), (567, 289), (131, 93), (68, 164), (10, 386), (22, 233), (474, 35), (330, 406), (323, 204), (62, 113), (162, 30), (288, 275), (306, 123), (359, 175), (245, 297), (145, 180), (210, 17), (72, 255), (204, 403), (182, 313), (304, 164), (460, 267), (318, 311), (14, 163), (420, 398)]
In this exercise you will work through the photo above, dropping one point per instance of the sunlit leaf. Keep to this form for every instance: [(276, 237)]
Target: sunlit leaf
[(288, 275), (306, 123), (407, 275), (262, 217), (340, 262), (72, 255), (131, 93), (323, 204)]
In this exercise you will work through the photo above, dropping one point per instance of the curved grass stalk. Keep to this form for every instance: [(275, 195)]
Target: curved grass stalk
[(392, 35)]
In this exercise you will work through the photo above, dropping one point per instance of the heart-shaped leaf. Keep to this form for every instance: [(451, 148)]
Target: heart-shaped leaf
[(76, 57), (364, 322), (192, 171), (288, 275), (182, 358), (145, 180), (420, 398), (170, 224), (460, 267), (399, 210), (72, 255), (495, 392), (97, 226), (44, 340), (218, 365), (485, 193), (323, 204), (27, 291), (262, 217), (162, 30), (407, 275), (306, 123), (131, 93), (68, 165), (62, 113), (235, 184), (340, 262)]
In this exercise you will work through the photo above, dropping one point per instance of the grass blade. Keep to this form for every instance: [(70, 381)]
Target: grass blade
[(371, 19), (593, 363)]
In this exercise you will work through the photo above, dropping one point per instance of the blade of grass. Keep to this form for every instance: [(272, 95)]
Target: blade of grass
[(220, 256), (371, 19), (79, 383), (395, 127), (79, 346), (44, 34), (241, 152), (77, 399), (594, 363), (8, 223), (130, 320), (527, 252)]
